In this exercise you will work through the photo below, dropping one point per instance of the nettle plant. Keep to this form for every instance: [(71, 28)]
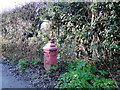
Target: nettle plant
[(83, 75)]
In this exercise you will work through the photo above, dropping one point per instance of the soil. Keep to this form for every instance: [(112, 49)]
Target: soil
[(8, 80), (35, 76), (31, 77)]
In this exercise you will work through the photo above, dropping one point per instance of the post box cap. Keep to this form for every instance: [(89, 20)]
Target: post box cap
[(50, 46)]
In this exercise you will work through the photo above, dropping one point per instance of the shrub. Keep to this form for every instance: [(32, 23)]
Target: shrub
[(83, 75), (22, 64), (35, 61)]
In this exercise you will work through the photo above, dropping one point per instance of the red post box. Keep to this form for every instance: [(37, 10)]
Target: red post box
[(50, 55)]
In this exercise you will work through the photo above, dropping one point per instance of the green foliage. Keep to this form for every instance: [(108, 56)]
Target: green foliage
[(67, 20), (22, 64), (33, 77), (78, 34), (22, 42), (73, 29), (54, 67), (13, 59), (6, 62), (35, 61), (83, 75), (44, 76)]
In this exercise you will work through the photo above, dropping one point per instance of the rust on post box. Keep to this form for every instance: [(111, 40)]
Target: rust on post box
[(50, 55)]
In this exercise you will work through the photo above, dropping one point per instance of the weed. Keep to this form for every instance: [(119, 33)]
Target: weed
[(83, 75), (22, 64), (44, 76), (33, 77), (54, 67), (35, 61)]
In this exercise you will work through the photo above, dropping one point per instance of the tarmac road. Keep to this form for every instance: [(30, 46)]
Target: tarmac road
[(9, 81)]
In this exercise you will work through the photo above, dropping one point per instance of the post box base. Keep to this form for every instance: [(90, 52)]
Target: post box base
[(47, 68)]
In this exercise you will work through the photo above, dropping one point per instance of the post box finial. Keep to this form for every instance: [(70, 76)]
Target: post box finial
[(51, 40)]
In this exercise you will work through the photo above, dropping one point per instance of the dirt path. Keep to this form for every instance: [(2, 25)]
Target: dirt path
[(9, 81)]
